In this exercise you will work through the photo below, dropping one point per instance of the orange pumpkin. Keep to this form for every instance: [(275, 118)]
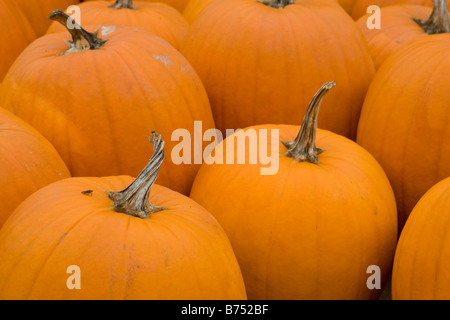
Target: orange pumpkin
[(37, 11), (360, 7), (261, 64), (92, 103), (193, 9), (422, 258), (405, 120), (177, 4), (145, 242), (312, 229), (15, 34), (28, 162), (402, 24), (157, 18), (347, 5), (398, 29)]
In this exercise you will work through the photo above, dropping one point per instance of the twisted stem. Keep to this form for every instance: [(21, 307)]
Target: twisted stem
[(133, 200)]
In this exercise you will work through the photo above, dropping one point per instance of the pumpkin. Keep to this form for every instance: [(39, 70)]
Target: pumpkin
[(261, 63), (37, 11), (402, 24), (347, 5), (360, 7), (193, 9), (177, 4), (15, 34), (28, 162), (422, 258), (404, 121), (157, 18), (91, 99), (312, 228), (144, 242)]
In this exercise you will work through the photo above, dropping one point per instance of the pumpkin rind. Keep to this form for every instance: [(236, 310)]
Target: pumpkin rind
[(422, 257), (156, 18), (91, 105), (398, 29), (262, 65), (36, 12), (16, 34), (177, 4), (179, 253), (360, 7), (193, 9), (122, 252), (404, 120), (28, 162), (311, 230)]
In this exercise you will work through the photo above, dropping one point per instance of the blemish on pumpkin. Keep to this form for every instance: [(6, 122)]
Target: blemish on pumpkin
[(164, 59), (107, 30), (87, 192), (62, 237)]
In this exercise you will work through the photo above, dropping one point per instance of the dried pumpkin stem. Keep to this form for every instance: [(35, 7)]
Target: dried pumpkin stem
[(123, 4), (303, 148), (439, 21), (276, 3), (133, 200), (81, 39)]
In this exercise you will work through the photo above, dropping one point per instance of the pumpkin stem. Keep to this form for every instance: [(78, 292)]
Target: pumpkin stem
[(303, 148), (81, 39), (277, 3), (439, 21), (123, 4), (133, 200)]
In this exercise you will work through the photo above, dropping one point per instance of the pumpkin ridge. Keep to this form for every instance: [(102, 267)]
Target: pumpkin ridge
[(42, 266), (229, 54), (73, 227), (107, 112), (404, 183)]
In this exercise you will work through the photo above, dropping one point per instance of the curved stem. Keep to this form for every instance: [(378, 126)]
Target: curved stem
[(81, 39), (303, 148), (276, 3), (439, 21), (133, 200), (123, 4)]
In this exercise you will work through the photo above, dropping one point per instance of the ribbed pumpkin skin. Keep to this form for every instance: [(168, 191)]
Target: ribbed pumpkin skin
[(309, 231), (347, 5), (193, 9), (15, 34), (177, 4), (95, 106), (157, 18), (28, 162), (398, 29), (422, 258), (360, 7), (405, 120), (178, 253), (262, 65), (37, 12)]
